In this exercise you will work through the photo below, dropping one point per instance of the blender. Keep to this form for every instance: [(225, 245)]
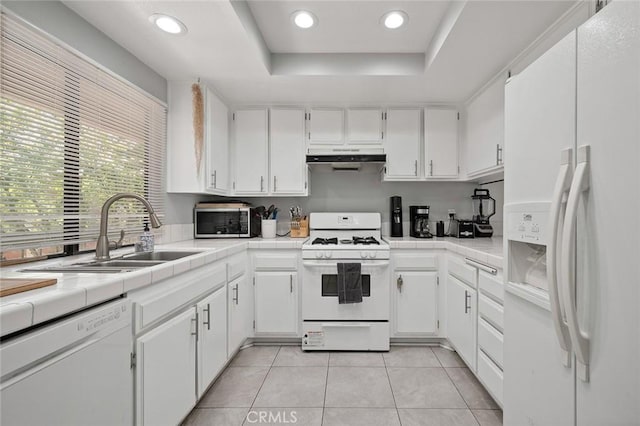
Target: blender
[(483, 208)]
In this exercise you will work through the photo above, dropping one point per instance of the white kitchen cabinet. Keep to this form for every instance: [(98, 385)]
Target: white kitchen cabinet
[(416, 302), (240, 313), (250, 152), (217, 143), (402, 143), (484, 131), (326, 126), (183, 172), (364, 126), (287, 152), (441, 143), (166, 371), (462, 319), (276, 300), (212, 337)]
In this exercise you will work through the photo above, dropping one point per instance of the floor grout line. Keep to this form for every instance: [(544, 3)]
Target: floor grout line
[(326, 385), (393, 395), (265, 378), (457, 390)]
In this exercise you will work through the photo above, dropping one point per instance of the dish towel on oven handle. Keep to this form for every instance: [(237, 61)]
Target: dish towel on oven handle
[(349, 283)]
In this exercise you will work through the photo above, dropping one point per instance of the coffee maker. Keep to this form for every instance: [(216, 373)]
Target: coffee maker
[(419, 216), (483, 208), (396, 216)]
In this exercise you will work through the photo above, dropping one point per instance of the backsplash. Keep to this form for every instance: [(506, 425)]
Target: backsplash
[(171, 233)]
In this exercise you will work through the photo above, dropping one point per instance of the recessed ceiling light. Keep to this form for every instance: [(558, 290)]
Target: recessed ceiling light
[(304, 19), (394, 19), (168, 23)]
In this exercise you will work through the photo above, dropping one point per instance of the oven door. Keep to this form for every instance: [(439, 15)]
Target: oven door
[(320, 297)]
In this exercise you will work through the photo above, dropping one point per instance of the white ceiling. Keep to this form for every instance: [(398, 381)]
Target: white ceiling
[(347, 26), (220, 48)]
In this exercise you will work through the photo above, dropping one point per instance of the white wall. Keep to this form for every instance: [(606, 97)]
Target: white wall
[(361, 191)]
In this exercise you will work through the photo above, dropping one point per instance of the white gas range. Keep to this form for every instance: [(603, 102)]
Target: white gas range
[(328, 325)]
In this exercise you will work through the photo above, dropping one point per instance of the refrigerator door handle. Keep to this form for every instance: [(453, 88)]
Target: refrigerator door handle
[(563, 184), (579, 337)]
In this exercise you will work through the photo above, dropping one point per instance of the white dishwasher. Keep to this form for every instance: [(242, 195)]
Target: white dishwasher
[(73, 371)]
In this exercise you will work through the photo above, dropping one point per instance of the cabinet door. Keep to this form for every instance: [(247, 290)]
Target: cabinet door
[(276, 302), (462, 319), (286, 156), (240, 316), (402, 143), (250, 155), (183, 174), (364, 126), (326, 126), (166, 371), (416, 302), (485, 129), (217, 145), (441, 142), (212, 340)]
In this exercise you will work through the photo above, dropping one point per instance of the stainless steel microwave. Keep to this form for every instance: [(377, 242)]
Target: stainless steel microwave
[(225, 223)]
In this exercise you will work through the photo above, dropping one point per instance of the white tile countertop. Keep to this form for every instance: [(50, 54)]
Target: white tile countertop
[(75, 291), (484, 250)]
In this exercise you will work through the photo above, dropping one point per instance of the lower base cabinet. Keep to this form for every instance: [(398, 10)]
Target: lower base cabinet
[(212, 337), (462, 319), (240, 315), (165, 371), (416, 302), (276, 302)]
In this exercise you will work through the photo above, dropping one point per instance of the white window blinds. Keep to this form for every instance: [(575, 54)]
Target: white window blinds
[(72, 135)]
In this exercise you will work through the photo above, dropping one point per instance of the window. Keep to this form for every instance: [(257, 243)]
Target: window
[(71, 136)]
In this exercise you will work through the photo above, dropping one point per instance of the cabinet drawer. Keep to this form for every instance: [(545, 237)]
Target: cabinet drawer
[(265, 262), (491, 285), (462, 271), (416, 261), (236, 267), (491, 376), (188, 287), (491, 311), (490, 341)]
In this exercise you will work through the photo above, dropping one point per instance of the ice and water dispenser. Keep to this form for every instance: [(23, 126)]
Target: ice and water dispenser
[(527, 238)]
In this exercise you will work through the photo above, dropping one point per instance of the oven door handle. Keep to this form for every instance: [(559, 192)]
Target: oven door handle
[(333, 263), (346, 325)]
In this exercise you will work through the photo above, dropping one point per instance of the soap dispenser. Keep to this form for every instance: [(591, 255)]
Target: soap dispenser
[(147, 239)]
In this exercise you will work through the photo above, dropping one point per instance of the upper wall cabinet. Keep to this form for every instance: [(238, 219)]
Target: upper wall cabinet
[(287, 152), (326, 126), (250, 152), (402, 143), (184, 174), (217, 145), (364, 126), (269, 152), (484, 133), (441, 143)]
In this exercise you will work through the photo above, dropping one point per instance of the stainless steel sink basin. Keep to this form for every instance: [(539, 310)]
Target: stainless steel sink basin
[(122, 264), (160, 255)]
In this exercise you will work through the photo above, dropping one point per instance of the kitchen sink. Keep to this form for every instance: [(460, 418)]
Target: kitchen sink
[(121, 264), (159, 255)]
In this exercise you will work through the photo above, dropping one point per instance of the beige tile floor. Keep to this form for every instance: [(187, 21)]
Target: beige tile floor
[(408, 386)]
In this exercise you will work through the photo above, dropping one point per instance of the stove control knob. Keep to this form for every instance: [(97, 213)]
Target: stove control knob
[(318, 255), (363, 254), (372, 255), (327, 255)]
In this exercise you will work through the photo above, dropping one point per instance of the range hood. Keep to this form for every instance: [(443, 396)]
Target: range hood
[(347, 159)]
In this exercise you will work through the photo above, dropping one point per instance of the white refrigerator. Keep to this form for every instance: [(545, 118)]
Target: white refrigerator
[(572, 240)]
